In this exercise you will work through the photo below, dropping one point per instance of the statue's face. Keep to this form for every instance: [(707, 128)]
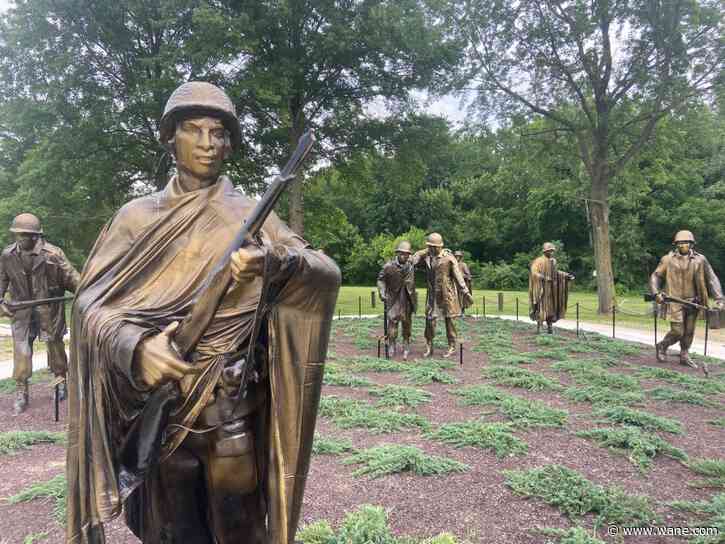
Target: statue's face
[(403, 257), (459, 258), (434, 250), (684, 247), (549, 253), (199, 145), (26, 240)]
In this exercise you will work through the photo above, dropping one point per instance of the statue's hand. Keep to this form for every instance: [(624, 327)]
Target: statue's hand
[(468, 298), (571, 277), (720, 304), (660, 298), (5, 311), (156, 362), (248, 262)]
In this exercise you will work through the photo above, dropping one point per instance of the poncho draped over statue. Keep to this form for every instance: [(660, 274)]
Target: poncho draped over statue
[(142, 274), (548, 290)]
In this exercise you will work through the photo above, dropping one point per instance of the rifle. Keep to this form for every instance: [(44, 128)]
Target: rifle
[(22, 304)]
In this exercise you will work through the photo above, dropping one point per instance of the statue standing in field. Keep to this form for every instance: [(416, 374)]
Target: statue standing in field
[(31, 269), (445, 282), (396, 287), (213, 448), (548, 289), (467, 277), (687, 276)]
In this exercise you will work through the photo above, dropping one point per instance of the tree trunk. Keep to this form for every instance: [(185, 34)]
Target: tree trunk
[(296, 194), (599, 217)]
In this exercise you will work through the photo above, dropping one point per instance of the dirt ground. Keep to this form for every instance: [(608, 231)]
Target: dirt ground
[(477, 506)]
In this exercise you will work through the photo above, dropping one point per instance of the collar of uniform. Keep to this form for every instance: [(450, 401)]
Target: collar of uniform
[(173, 190)]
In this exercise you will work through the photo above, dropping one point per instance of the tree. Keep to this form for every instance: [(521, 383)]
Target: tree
[(606, 71), (320, 64)]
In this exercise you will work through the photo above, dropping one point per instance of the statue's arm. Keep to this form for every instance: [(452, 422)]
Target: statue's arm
[(71, 277), (655, 280), (714, 286)]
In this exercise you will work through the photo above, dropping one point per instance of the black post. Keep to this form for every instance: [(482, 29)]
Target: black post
[(654, 306), (484, 307), (460, 353), (707, 330), (338, 314), (517, 308), (614, 319), (372, 299), (378, 348), (56, 400), (500, 303), (386, 332), (577, 320), (359, 307)]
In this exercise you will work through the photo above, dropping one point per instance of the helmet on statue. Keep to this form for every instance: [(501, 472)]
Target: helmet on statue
[(684, 236), (434, 239), (403, 247), (27, 223)]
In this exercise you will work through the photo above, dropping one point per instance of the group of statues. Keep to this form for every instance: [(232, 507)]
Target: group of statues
[(448, 283), (212, 446)]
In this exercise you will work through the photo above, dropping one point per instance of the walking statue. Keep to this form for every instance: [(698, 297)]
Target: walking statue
[(32, 269), (445, 282), (548, 289), (689, 284), (467, 277), (396, 287), (194, 415)]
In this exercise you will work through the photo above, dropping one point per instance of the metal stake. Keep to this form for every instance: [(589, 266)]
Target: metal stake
[(372, 299), (484, 307), (460, 353), (707, 330), (359, 307), (517, 308), (56, 401), (378, 348), (614, 319)]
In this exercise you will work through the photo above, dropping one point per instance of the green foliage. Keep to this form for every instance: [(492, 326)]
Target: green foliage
[(603, 395), (640, 447), (532, 413), (372, 364), (636, 418), (392, 458), (712, 514), (576, 496), (497, 437), (334, 375), (7, 385), (590, 373), (54, 489), (520, 377), (12, 441), (684, 397), (367, 525), (348, 413), (573, 535), (424, 373), (475, 395), (330, 446), (713, 469), (698, 385), (35, 537), (718, 421), (400, 395)]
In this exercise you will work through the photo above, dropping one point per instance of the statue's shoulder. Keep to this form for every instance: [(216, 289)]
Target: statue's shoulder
[(7, 250), (52, 250)]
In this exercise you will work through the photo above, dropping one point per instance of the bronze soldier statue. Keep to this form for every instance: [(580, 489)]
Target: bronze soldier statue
[(396, 287), (687, 276), (467, 277), (31, 269), (213, 448), (548, 289), (445, 282)]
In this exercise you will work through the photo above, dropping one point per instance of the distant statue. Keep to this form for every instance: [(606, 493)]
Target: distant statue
[(214, 447), (396, 287), (445, 282), (467, 277), (32, 269), (548, 289), (688, 277)]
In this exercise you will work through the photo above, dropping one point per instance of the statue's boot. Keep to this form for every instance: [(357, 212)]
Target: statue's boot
[(406, 350), (549, 328), (661, 352), (686, 360), (392, 348), (59, 382), (428, 349), (22, 398), (451, 351)]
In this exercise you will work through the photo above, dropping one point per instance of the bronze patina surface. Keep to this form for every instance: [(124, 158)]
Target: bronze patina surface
[(446, 289), (548, 289), (684, 274), (396, 287), (467, 276), (225, 467), (31, 269)]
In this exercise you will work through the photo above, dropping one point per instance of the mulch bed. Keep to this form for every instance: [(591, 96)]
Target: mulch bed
[(475, 505)]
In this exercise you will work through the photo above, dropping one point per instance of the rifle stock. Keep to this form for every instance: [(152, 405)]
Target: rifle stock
[(22, 304)]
